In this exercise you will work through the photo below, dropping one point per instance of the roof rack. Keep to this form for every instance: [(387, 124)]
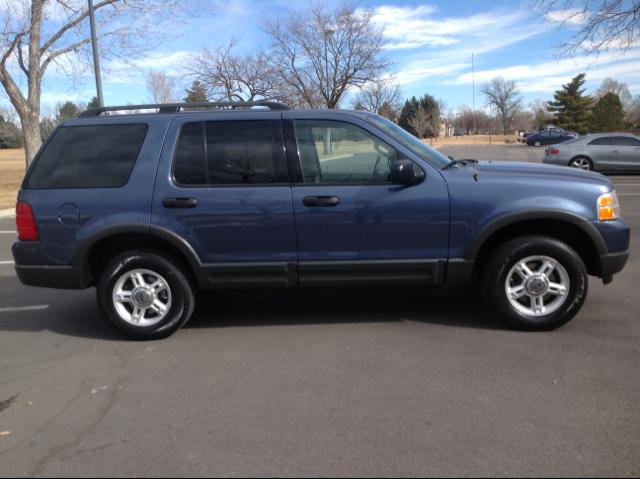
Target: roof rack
[(177, 107)]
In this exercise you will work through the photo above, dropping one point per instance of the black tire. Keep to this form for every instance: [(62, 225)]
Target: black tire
[(181, 290), (574, 163), (505, 257)]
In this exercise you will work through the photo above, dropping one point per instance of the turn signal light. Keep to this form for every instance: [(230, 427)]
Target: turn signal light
[(608, 207), (26, 223)]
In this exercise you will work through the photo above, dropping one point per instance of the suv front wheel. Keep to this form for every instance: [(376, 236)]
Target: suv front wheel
[(535, 283), (145, 295)]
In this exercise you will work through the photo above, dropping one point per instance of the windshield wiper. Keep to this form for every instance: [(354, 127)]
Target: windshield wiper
[(459, 162)]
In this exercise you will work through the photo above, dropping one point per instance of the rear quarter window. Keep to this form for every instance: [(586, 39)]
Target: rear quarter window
[(98, 156)]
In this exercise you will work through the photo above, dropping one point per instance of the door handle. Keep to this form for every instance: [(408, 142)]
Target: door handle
[(321, 200), (179, 202)]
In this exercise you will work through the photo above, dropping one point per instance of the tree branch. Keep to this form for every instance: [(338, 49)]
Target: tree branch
[(56, 36)]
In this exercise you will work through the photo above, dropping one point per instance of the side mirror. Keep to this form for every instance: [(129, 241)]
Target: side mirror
[(406, 173)]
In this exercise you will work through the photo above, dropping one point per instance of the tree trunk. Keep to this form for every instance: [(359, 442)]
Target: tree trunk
[(32, 139)]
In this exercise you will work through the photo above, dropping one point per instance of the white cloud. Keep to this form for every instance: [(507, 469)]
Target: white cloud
[(548, 76), (441, 47), (570, 16)]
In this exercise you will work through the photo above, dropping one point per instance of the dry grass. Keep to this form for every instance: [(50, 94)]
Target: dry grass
[(471, 140), (12, 169)]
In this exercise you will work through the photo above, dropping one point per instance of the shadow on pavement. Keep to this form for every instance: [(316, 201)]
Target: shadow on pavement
[(75, 313)]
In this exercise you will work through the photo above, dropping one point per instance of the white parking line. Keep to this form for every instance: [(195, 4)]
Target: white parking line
[(8, 233), (628, 194), (38, 307), (6, 262)]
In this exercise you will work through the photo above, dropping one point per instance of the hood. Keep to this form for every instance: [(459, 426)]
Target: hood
[(521, 169)]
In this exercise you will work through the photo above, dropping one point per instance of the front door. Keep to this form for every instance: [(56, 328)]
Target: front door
[(353, 226), (223, 187)]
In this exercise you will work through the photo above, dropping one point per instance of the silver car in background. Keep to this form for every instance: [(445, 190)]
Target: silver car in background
[(619, 152)]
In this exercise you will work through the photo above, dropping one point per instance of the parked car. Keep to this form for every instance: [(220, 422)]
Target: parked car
[(549, 137), (609, 152), (522, 136), (149, 208)]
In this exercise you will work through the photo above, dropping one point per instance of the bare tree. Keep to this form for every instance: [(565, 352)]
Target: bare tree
[(232, 77), (503, 96), (36, 35), (633, 114), (382, 97), (603, 24), (609, 85), (161, 87), (541, 116), (321, 53), (422, 122)]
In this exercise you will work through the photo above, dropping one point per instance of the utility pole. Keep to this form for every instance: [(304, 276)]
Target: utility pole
[(96, 56)]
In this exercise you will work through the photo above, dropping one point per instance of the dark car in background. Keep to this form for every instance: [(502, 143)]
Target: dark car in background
[(550, 137), (611, 152)]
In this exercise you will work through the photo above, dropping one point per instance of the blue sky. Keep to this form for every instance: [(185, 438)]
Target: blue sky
[(430, 44)]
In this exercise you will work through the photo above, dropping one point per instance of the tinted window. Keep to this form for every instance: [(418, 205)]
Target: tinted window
[(624, 141), (88, 157), (601, 142), (229, 152), (190, 166), (337, 152)]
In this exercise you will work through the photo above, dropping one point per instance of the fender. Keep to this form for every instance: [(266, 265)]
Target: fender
[(589, 229), (80, 262)]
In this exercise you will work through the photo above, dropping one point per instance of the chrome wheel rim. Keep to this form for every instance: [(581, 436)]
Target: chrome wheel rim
[(537, 286), (142, 297), (581, 163)]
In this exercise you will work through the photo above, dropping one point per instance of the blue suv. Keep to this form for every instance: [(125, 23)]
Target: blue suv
[(152, 207)]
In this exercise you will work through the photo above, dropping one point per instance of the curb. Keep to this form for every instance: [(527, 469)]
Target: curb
[(9, 213)]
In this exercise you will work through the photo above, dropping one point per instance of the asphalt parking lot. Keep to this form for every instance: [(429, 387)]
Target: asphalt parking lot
[(373, 383)]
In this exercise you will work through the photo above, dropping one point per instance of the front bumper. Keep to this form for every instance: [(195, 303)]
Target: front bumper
[(611, 264)]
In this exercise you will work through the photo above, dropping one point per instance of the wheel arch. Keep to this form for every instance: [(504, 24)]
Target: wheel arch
[(573, 230), (581, 155), (104, 246)]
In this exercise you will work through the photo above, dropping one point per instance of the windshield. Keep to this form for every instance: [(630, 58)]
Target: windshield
[(407, 139)]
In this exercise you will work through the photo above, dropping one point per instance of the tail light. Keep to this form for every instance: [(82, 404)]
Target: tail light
[(554, 151), (26, 222)]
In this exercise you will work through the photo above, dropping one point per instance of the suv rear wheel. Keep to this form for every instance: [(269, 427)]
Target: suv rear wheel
[(145, 295), (535, 283)]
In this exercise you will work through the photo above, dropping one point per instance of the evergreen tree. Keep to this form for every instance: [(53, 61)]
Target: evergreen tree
[(197, 93), (409, 110), (570, 106), (359, 106), (67, 111), (425, 111), (608, 114), (10, 135), (94, 103)]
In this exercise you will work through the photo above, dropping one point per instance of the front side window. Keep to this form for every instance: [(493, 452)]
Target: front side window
[(229, 153), (601, 142), (338, 152), (99, 156)]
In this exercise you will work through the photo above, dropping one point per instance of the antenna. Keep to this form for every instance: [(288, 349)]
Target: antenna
[(473, 79)]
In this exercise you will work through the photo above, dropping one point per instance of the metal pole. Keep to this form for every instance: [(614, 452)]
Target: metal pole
[(96, 56)]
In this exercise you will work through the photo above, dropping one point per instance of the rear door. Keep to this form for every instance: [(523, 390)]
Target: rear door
[(353, 226), (222, 185), (627, 153)]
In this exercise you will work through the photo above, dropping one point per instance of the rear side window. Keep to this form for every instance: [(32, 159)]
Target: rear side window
[(99, 156), (229, 153), (624, 141)]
